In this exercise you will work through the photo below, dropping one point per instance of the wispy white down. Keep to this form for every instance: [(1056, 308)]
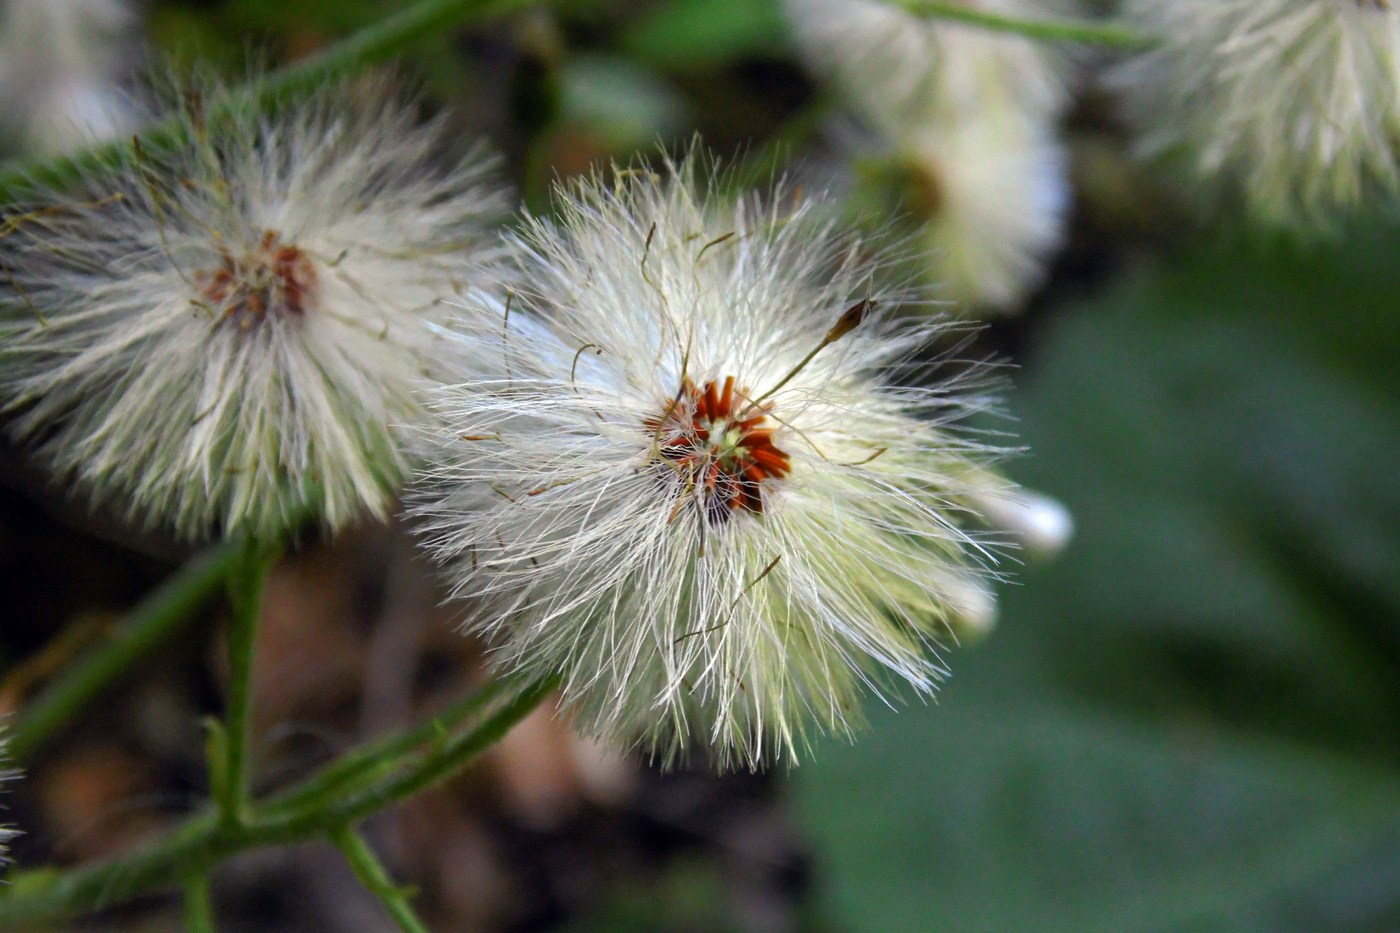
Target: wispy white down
[(221, 338), (1295, 101), (708, 487), (1040, 524)]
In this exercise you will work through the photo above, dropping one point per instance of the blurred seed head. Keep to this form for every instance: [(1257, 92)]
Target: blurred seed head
[(220, 336), (961, 120), (902, 72), (1000, 212), (1295, 102)]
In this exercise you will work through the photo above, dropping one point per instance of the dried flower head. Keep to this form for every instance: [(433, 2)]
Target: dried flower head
[(219, 337), (692, 489), (1297, 101)]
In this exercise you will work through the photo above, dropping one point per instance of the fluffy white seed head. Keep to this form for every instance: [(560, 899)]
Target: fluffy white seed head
[(221, 337), (1296, 101), (693, 489)]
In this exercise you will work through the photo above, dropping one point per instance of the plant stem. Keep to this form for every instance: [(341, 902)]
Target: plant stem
[(245, 586), (376, 880), (199, 911), (374, 43), (433, 766), (148, 626), (1090, 33), (203, 840), (371, 762)]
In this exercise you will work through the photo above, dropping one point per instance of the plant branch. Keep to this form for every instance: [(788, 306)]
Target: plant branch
[(204, 839), (245, 586), (375, 43), (376, 879), (147, 627), (1089, 33), (370, 763), (199, 911), (433, 766)]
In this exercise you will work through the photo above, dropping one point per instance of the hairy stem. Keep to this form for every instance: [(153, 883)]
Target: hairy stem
[(245, 586), (1088, 33), (204, 840), (199, 911), (374, 43), (376, 880), (367, 765), (149, 626), (439, 762)]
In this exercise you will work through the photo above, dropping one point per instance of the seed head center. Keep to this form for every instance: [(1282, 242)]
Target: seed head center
[(273, 278), (717, 444)]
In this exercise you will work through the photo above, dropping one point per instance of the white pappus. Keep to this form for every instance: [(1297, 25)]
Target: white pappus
[(1295, 101), (900, 70), (693, 491), (217, 337)]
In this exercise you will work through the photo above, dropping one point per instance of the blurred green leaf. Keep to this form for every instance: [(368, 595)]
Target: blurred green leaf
[(698, 33), (1043, 816), (319, 16), (1192, 721), (627, 105), (688, 896)]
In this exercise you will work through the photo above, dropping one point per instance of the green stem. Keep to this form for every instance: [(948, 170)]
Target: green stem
[(199, 910), (1109, 34), (375, 878), (433, 766), (149, 625), (245, 586), (371, 762), (374, 43), (204, 840)]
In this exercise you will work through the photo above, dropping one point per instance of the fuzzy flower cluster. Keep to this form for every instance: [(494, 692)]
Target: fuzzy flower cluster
[(689, 484), (690, 454), (220, 337), (1298, 101), (966, 119)]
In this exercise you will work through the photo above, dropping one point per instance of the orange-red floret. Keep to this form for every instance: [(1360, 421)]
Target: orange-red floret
[(729, 479), (276, 278)]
